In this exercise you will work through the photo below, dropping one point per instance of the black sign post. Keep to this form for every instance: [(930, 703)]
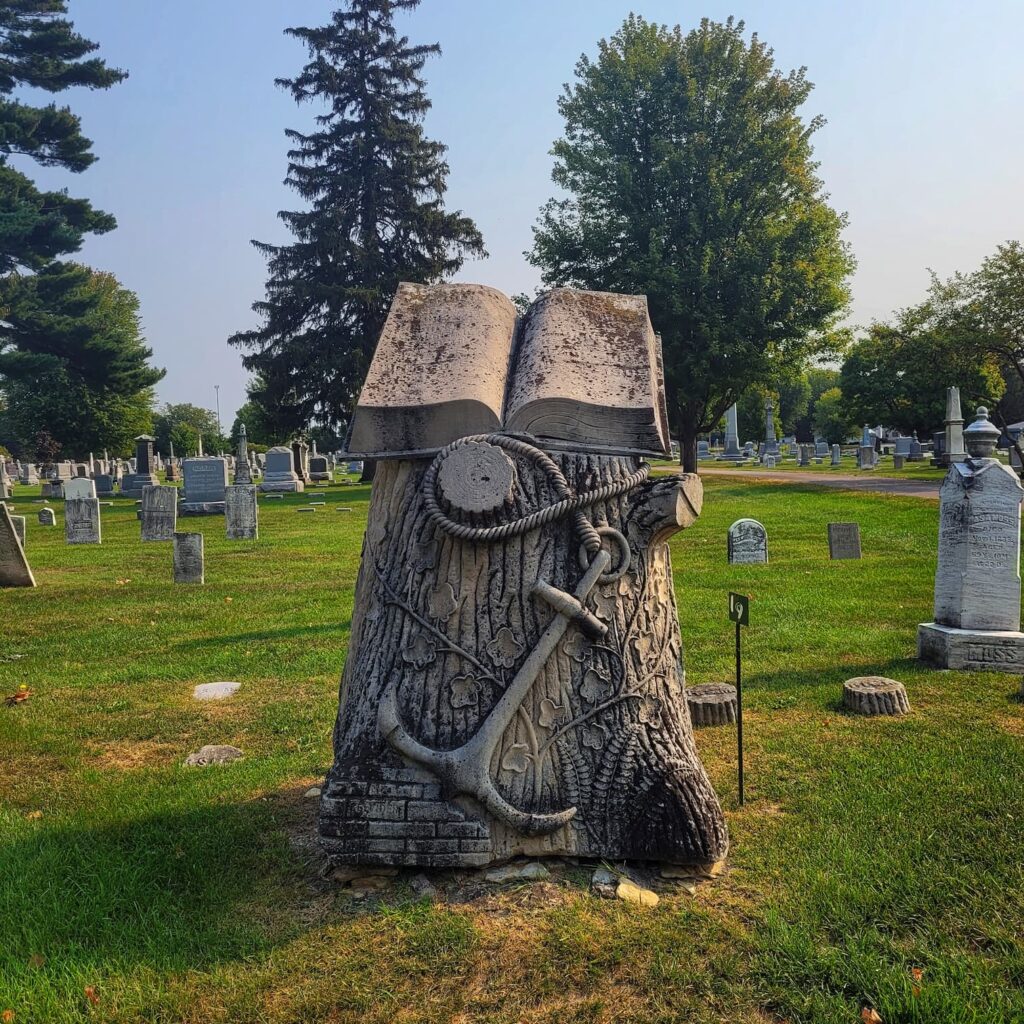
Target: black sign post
[(739, 612)]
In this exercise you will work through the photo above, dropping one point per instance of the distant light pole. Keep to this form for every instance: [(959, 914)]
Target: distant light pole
[(216, 387)]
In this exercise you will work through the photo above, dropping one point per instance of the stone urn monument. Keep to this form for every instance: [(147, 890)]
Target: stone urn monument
[(977, 583), (514, 682)]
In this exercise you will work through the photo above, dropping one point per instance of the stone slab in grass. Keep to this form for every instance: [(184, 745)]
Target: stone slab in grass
[(213, 753), (215, 691), (875, 695)]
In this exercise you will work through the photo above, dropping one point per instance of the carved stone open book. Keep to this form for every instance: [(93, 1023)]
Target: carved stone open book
[(514, 681), (580, 370)]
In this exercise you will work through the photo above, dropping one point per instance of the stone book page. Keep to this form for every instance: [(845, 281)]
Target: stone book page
[(587, 373), (438, 372)]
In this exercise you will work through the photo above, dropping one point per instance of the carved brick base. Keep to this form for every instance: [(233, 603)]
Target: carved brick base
[(973, 650), (400, 818)]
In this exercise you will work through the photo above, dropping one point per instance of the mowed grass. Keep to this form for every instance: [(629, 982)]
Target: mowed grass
[(847, 467), (867, 851)]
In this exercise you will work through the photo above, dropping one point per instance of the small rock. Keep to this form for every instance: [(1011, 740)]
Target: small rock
[(423, 888), (346, 872), (215, 691), (602, 876), (370, 883), (312, 792), (630, 892), (532, 871), (214, 753)]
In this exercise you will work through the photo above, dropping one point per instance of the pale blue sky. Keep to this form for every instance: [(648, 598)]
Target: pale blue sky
[(924, 146)]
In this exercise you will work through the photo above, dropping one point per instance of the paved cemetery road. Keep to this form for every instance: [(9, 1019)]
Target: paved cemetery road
[(867, 482)]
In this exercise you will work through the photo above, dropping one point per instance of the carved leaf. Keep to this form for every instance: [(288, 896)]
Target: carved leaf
[(516, 758), (576, 646), (426, 557), (465, 692), (606, 600), (504, 648), (550, 713), (593, 736), (441, 602), (421, 652), (595, 687), (649, 711)]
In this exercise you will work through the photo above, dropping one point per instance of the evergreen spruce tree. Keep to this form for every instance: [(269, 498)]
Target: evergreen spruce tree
[(40, 49), (375, 187)]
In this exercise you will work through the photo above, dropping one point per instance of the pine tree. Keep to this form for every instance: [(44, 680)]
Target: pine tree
[(375, 187), (73, 360), (40, 49)]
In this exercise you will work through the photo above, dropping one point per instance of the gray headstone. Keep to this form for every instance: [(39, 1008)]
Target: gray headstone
[(318, 468), (188, 558), (104, 485), (19, 529), (80, 487), (279, 471), (159, 513), (241, 512), (47, 517), (844, 540), (897, 461), (748, 542), (82, 521), (14, 569), (205, 481), (836, 454)]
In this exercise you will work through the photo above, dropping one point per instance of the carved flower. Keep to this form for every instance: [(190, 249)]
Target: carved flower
[(595, 687), (465, 692), (504, 648), (441, 601), (516, 758), (550, 713), (421, 652), (576, 646), (593, 736), (649, 711)]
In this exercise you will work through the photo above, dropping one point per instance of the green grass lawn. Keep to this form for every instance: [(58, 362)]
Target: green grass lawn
[(867, 850), (848, 467)]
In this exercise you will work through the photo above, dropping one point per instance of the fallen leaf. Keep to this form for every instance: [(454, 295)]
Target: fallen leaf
[(869, 1016), (7, 1016), (22, 695), (36, 960), (34, 815), (90, 994), (228, 600)]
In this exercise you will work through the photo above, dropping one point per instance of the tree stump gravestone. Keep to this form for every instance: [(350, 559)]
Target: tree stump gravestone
[(515, 681)]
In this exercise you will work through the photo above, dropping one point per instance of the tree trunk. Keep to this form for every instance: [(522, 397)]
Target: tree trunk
[(482, 715), (688, 448)]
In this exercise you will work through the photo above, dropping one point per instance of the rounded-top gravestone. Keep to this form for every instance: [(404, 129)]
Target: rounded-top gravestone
[(748, 542)]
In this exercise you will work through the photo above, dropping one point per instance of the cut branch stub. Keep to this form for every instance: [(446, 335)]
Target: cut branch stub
[(711, 704), (875, 695)]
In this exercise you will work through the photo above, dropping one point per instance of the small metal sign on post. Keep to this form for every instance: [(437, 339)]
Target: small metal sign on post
[(739, 612)]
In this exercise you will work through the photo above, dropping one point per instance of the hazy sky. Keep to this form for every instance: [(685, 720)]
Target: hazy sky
[(924, 146)]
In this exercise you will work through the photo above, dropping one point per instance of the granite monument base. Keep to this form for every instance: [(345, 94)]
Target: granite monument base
[(201, 508), (973, 650)]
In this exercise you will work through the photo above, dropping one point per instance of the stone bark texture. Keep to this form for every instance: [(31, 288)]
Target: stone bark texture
[(875, 695), (601, 741), (711, 704)]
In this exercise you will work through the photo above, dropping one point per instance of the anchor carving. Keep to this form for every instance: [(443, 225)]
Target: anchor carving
[(466, 769)]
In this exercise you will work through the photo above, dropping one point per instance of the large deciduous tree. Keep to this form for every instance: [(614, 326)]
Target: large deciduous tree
[(375, 189), (73, 361), (182, 424), (690, 178), (39, 49)]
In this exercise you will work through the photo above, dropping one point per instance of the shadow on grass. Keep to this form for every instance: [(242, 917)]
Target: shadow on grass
[(786, 679), (176, 890)]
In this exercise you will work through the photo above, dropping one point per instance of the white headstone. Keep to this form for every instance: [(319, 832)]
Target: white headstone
[(80, 487)]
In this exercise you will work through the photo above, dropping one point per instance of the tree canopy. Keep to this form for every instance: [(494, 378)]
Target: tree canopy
[(40, 49), (691, 179), (182, 424), (375, 189), (72, 360)]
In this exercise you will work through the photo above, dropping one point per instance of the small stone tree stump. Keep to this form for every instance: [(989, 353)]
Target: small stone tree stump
[(711, 704), (875, 695)]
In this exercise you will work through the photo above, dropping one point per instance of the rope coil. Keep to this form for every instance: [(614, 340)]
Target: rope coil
[(570, 504)]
